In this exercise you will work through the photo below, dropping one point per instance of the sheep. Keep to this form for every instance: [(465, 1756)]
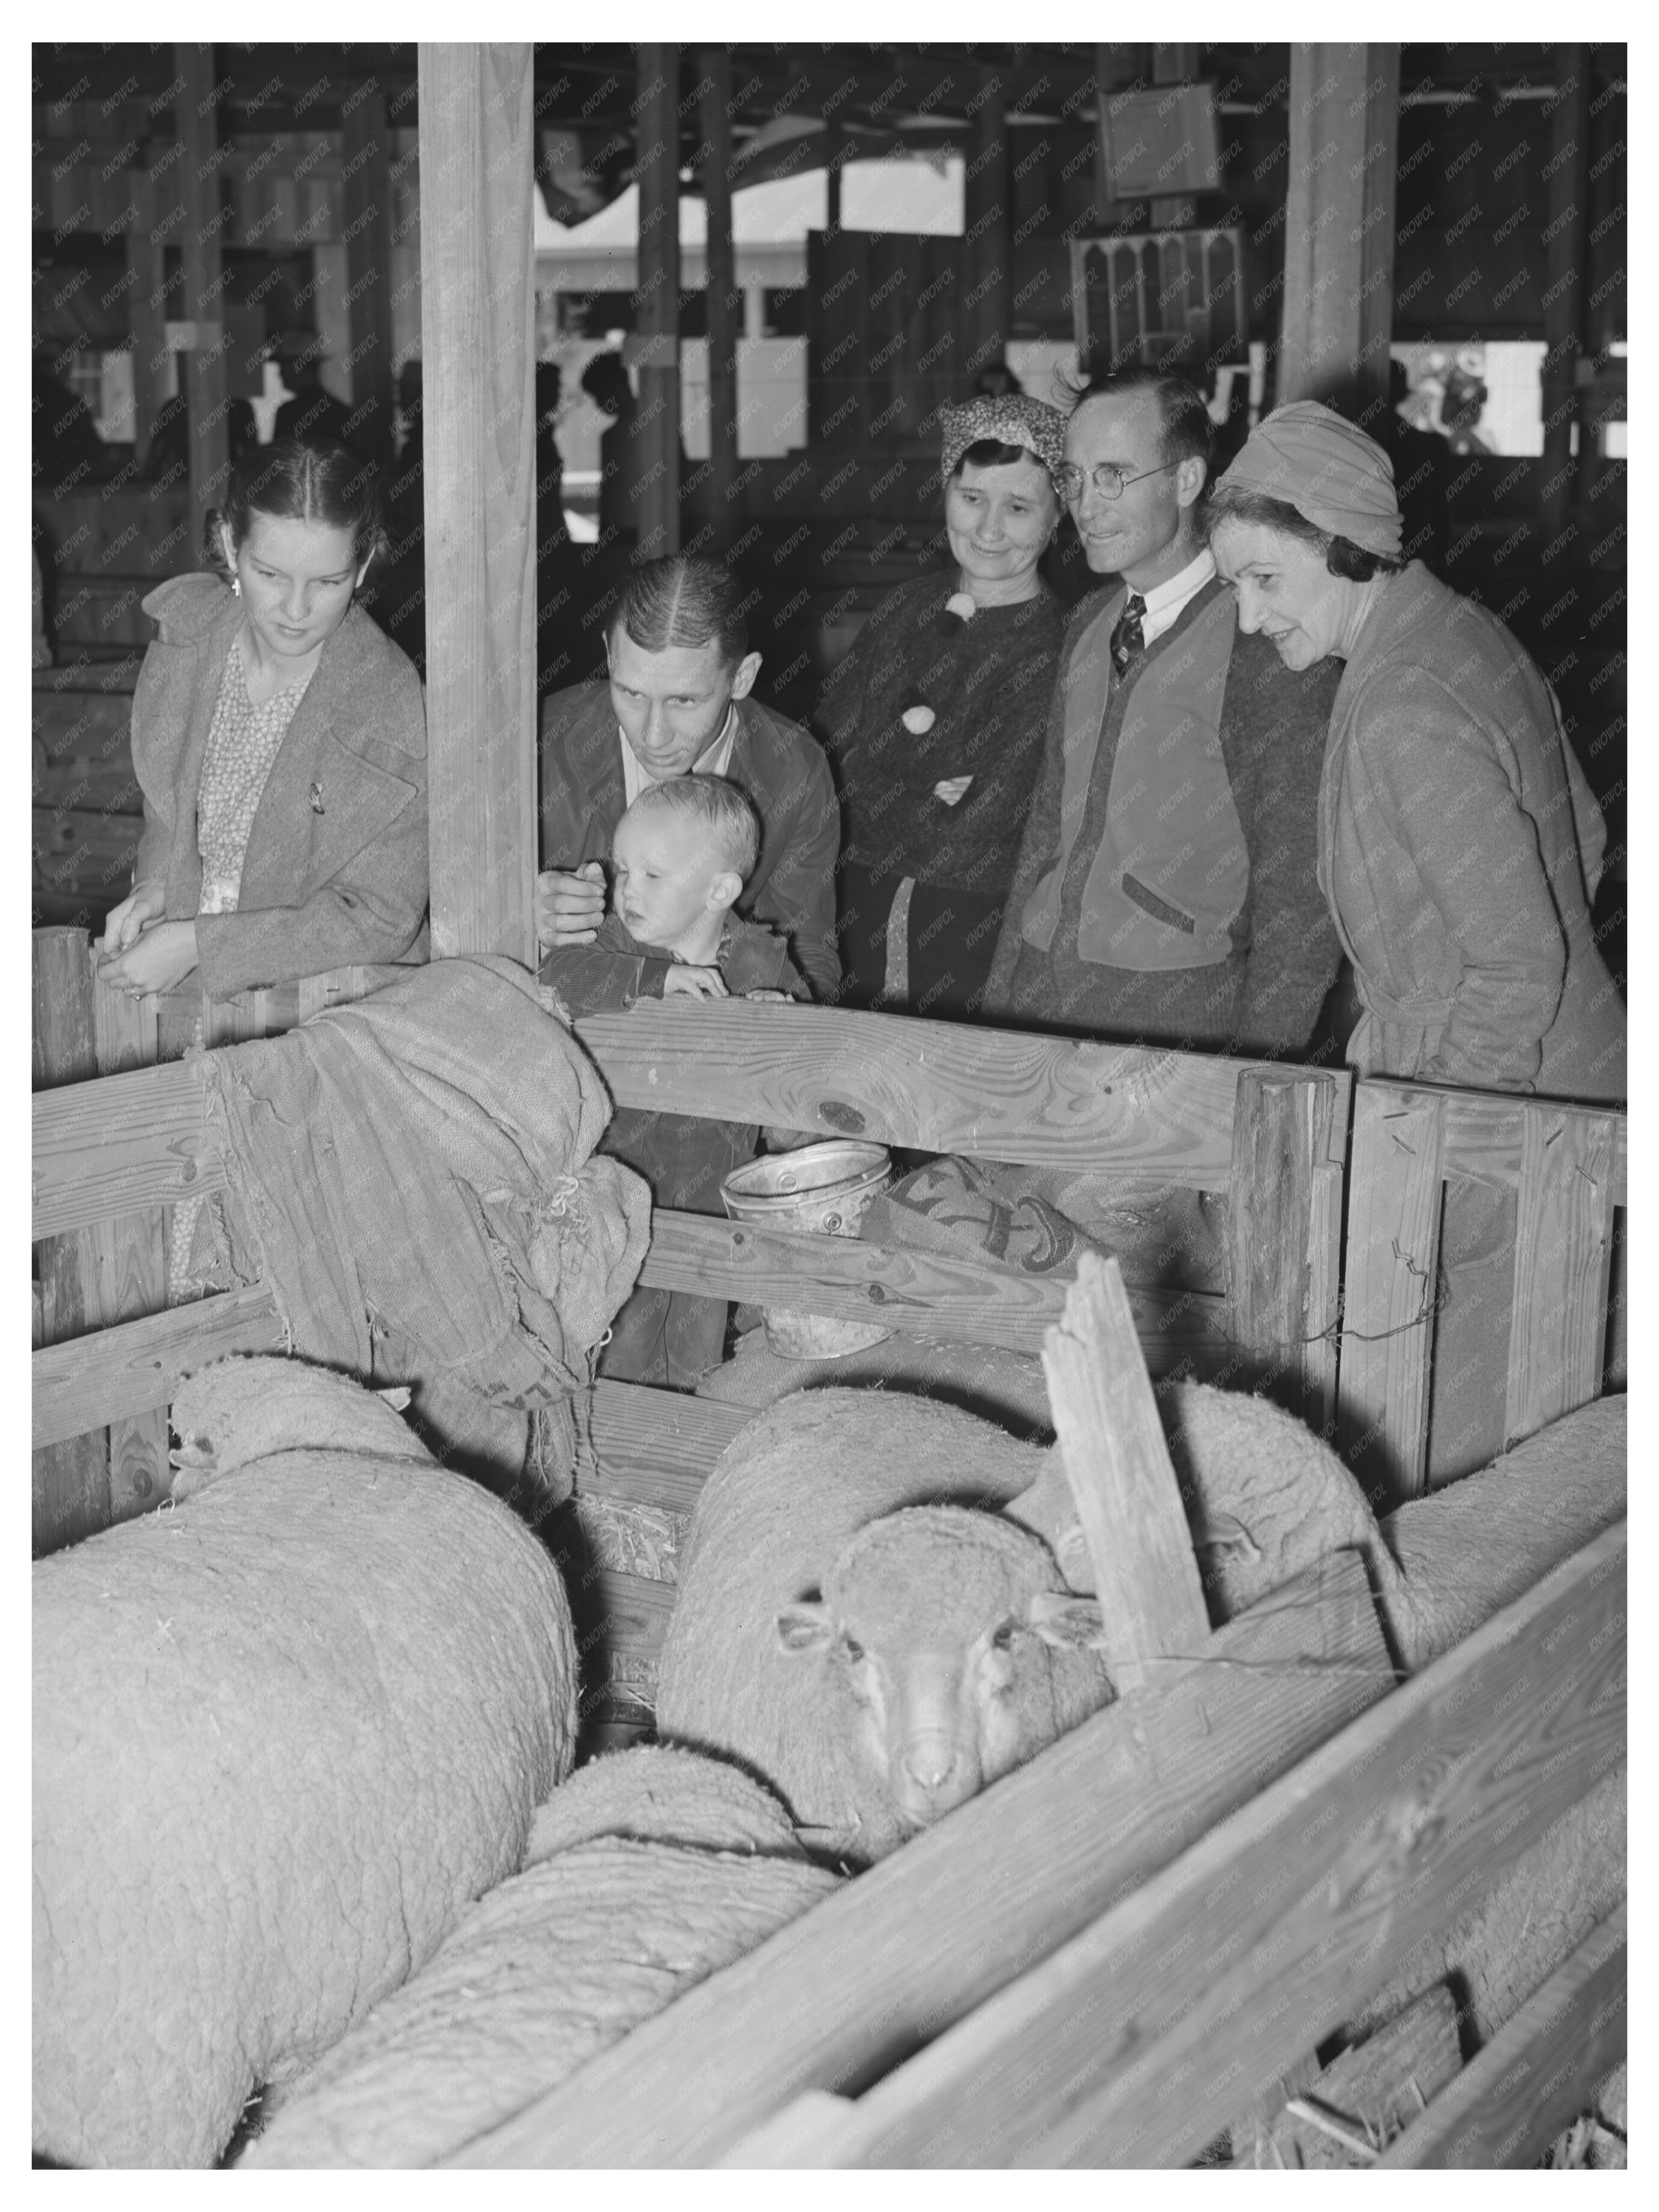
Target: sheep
[(854, 1628), (284, 1732), (646, 1871)]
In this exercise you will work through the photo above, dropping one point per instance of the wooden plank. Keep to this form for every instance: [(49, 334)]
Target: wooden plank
[(629, 1622), (196, 124), (656, 421), (69, 1471), (122, 1142), (1539, 2070), (1482, 1133), (366, 227), (131, 1267), (1277, 1925), (146, 308), (137, 1365), (936, 1086), (1566, 258), (1563, 1258), (833, 1999), (1339, 224), (1390, 1265), (1284, 1237), (1371, 2090), (658, 1446), (722, 300), (1122, 1481), (989, 229), (930, 1293), (477, 331)]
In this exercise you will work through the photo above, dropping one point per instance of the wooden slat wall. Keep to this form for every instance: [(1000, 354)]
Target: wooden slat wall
[(920, 1939), (1218, 1971)]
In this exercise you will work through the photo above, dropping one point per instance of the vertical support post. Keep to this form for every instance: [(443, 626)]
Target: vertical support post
[(477, 331), (833, 161), (365, 181), (721, 298), (657, 303), (69, 1481), (1339, 226), (989, 225), (196, 106), (130, 1262), (1174, 64), (1564, 284), (1283, 1237), (146, 308)]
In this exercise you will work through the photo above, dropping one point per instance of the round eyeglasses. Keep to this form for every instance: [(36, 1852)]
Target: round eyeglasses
[(1108, 479)]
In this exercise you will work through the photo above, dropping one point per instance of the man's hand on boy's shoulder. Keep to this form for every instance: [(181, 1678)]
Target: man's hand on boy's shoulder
[(686, 981)]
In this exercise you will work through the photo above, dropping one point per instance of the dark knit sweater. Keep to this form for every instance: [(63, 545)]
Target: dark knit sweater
[(987, 681), (1265, 996)]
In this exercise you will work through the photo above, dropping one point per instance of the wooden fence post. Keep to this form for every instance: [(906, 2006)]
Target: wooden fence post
[(1128, 1500), (131, 1264), (656, 304), (477, 330), (195, 108), (1283, 1237), (721, 296), (69, 1481)]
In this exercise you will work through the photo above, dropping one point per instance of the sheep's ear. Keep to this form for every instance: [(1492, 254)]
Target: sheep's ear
[(395, 1394), (1068, 1624), (804, 1627)]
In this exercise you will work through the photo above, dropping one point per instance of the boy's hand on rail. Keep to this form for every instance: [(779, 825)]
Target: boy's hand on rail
[(570, 907), (144, 903), (686, 981), (162, 958)]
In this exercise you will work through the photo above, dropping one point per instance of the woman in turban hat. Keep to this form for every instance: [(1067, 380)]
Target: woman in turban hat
[(1459, 844)]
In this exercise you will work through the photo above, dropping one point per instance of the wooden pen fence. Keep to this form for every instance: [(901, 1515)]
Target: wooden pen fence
[(985, 1997)]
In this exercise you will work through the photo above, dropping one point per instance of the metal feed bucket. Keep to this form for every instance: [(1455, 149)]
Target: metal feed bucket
[(822, 1189)]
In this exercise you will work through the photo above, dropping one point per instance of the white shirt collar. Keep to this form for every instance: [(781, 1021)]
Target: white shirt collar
[(1165, 600), (714, 761)]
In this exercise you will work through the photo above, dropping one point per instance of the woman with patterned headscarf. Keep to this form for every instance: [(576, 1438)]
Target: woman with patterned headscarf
[(935, 720)]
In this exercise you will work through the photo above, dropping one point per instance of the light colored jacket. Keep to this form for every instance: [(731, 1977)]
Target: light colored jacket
[(336, 868), (1458, 847)]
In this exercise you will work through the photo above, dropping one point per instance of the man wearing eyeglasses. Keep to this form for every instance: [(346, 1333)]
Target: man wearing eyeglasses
[(1167, 887)]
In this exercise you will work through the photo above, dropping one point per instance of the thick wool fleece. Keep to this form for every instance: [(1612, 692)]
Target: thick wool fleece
[(770, 1526), (285, 1733), (647, 1870)]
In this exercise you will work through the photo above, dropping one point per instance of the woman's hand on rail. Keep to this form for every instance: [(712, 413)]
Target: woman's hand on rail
[(144, 903), (162, 957), (569, 907)]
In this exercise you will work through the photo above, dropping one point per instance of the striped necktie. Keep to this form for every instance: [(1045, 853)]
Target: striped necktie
[(1127, 643)]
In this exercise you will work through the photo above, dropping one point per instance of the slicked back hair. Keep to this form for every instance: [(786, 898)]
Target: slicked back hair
[(301, 480), (682, 602), (1188, 433), (722, 808)]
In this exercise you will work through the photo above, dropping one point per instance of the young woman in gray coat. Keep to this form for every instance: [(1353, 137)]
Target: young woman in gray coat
[(279, 739)]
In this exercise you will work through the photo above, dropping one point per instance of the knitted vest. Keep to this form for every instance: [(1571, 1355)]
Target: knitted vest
[(1152, 862)]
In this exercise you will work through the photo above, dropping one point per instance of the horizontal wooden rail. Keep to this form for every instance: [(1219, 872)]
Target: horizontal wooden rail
[(138, 1365), (119, 1144), (837, 1996), (996, 1094), (1539, 2070), (935, 1294), (653, 1447), (1221, 1970), (936, 1086)]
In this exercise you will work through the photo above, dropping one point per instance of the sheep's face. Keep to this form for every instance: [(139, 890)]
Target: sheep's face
[(240, 1410), (942, 1625)]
